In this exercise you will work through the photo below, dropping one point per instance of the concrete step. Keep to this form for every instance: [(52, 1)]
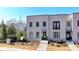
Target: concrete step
[(72, 46), (70, 42)]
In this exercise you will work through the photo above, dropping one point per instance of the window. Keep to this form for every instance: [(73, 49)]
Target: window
[(56, 24), (68, 24), (78, 23), (44, 34), (77, 35), (44, 24), (56, 34), (31, 34), (37, 24), (30, 24), (37, 34)]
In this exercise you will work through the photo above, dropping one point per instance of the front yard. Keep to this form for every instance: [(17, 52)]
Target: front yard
[(27, 46), (58, 47)]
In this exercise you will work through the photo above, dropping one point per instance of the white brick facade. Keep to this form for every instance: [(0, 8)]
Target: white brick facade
[(62, 18)]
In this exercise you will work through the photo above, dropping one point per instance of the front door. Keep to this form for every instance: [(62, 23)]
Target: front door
[(44, 36), (68, 36)]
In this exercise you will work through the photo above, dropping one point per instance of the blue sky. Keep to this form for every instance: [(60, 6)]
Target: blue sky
[(7, 13)]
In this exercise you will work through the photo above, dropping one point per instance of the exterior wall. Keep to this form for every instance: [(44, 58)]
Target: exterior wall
[(35, 29), (75, 27), (62, 19), (49, 26)]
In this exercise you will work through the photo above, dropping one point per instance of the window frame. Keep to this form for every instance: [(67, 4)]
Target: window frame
[(56, 35), (37, 35), (68, 23), (77, 35), (44, 23), (77, 22), (31, 34), (37, 24), (55, 25), (30, 24)]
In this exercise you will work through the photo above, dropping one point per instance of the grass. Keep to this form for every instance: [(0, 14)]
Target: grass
[(55, 48), (26, 46)]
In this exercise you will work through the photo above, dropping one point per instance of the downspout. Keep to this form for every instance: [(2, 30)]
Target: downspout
[(48, 27)]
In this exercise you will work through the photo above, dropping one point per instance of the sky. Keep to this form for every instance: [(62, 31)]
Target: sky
[(7, 13)]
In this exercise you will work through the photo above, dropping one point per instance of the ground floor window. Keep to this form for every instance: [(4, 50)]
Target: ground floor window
[(37, 34), (56, 34), (77, 35), (44, 34), (30, 34)]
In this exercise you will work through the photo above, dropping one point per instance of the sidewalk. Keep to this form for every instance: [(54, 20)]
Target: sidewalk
[(43, 45), (72, 46)]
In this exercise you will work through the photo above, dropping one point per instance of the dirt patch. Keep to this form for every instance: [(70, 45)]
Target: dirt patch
[(58, 47), (77, 45), (27, 46)]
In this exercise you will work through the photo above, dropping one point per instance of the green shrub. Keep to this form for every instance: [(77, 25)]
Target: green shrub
[(44, 38), (19, 34)]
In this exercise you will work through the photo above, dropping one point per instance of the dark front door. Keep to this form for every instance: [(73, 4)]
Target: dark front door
[(68, 36), (44, 36)]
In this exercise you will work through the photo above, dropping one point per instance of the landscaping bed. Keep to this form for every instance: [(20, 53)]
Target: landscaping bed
[(27, 46), (77, 45), (58, 47)]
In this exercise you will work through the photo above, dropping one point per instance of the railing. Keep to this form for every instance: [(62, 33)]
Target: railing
[(68, 29)]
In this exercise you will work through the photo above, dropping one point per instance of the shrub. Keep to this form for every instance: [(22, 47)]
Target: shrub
[(61, 42), (44, 38), (58, 45), (19, 34)]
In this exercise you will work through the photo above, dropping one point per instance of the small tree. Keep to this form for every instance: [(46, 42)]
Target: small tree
[(25, 34), (11, 31), (20, 33), (3, 31)]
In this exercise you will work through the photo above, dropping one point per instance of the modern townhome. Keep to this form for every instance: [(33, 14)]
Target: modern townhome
[(56, 27)]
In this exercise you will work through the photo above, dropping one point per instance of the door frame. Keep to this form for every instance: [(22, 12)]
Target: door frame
[(70, 36)]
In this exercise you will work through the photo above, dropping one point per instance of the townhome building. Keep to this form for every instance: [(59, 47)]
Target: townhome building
[(56, 27)]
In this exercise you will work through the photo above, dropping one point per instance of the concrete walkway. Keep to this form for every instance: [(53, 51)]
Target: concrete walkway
[(72, 46), (43, 45)]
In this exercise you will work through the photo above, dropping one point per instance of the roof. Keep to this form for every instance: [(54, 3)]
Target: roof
[(48, 15), (76, 13)]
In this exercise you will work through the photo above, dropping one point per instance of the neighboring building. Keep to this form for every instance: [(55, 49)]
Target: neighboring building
[(56, 27), (75, 27), (19, 25)]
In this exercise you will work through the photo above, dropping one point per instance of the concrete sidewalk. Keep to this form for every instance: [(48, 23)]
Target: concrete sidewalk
[(72, 46), (43, 45)]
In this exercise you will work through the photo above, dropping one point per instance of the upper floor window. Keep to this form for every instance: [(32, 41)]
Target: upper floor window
[(44, 24), (37, 24), (56, 24), (30, 24), (78, 23), (68, 24)]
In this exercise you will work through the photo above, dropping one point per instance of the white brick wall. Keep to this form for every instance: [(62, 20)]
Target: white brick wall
[(63, 18), (75, 27)]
